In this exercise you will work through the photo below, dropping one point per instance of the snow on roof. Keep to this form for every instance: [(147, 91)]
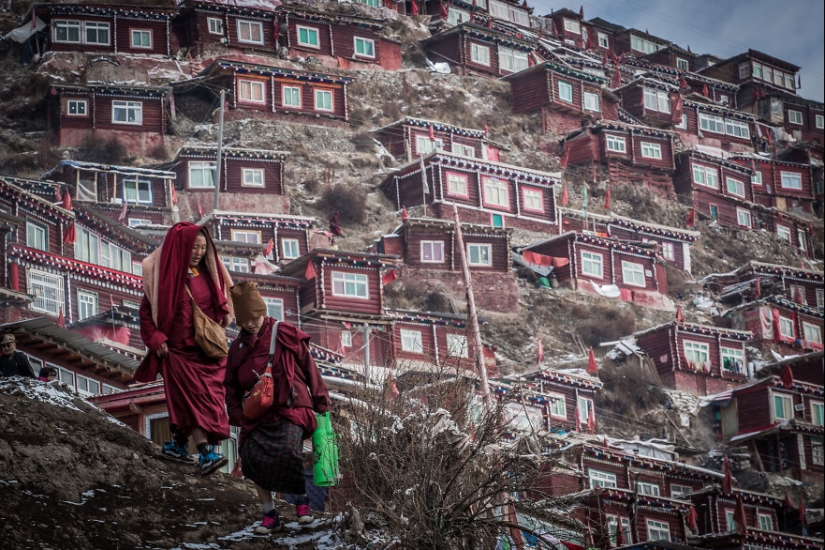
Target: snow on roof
[(129, 170), (264, 5)]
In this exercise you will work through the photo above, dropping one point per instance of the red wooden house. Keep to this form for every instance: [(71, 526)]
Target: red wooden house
[(802, 286), (117, 328), (754, 71), (781, 324), (570, 27), (605, 266), (422, 342), (672, 56), (239, 25), (803, 120), (652, 100), (718, 189), (487, 11), (289, 236), (472, 49), (97, 29), (134, 116), (428, 249), (703, 123), (624, 153), (337, 39), (104, 188), (779, 422), (787, 186), (280, 293), (251, 180), (698, 359), (566, 399), (280, 93), (673, 243), (638, 43), (562, 94), (486, 193), (410, 138)]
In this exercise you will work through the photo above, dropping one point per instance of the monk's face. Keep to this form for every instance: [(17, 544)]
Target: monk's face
[(253, 326), (198, 251)]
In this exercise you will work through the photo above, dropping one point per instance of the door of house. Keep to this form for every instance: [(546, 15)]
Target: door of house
[(714, 212)]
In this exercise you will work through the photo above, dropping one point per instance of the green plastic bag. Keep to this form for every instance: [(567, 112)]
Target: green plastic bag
[(325, 453)]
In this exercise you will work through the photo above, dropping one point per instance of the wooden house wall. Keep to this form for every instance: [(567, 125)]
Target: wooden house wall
[(288, 233), (412, 248), (576, 85), (311, 293), (428, 342), (530, 92), (466, 43), (754, 409), (289, 296), (704, 199), (343, 42), (500, 254), (107, 295), (325, 40), (126, 25), (660, 346), (772, 179), (476, 144), (570, 401), (231, 31), (608, 266), (605, 155), (54, 226), (633, 100), (233, 170), (582, 148), (448, 49), (816, 469), (624, 234), (371, 305), (275, 98), (396, 140), (196, 27), (83, 47), (443, 349), (67, 122), (666, 162), (590, 463), (152, 114), (673, 520)]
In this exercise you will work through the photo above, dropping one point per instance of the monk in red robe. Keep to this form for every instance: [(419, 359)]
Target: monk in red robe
[(187, 260)]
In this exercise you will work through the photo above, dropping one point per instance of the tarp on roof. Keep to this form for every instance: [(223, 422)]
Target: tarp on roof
[(22, 33)]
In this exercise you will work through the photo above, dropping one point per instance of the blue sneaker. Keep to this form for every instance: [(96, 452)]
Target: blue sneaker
[(178, 453), (211, 461)]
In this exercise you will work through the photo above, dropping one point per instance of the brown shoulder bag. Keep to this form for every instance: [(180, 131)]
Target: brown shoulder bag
[(209, 335)]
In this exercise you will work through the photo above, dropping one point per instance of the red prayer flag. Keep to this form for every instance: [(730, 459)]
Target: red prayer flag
[(727, 482), (616, 82), (564, 158), (443, 12), (680, 316), (604, 58), (682, 82), (691, 217), (803, 515), (705, 90), (691, 520), (389, 277), (393, 389), (61, 320), (486, 128), (123, 211), (564, 196), (592, 367), (404, 215), (67, 200), (581, 10), (620, 535), (739, 515), (269, 246), (174, 194), (310, 273), (787, 377), (757, 291), (676, 106), (413, 9), (200, 208), (58, 195), (555, 28), (432, 133), (539, 352), (591, 421), (71, 234), (607, 198)]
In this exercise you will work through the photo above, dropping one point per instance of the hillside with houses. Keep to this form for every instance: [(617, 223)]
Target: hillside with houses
[(612, 241)]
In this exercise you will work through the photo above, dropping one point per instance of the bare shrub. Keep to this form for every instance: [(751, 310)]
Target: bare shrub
[(311, 185), (603, 322), (349, 200), (629, 390), (676, 280), (102, 150), (364, 142)]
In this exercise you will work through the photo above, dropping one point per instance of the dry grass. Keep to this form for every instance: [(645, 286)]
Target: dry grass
[(604, 322), (102, 150), (349, 200)]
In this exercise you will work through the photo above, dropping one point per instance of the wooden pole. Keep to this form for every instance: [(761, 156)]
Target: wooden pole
[(220, 154)]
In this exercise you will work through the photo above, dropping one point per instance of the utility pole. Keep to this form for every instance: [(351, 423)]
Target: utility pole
[(472, 313), (220, 154), (367, 352)]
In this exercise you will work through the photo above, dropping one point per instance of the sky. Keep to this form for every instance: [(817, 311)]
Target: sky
[(790, 30)]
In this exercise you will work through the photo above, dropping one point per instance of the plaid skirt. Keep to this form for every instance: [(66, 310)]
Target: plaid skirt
[(272, 457)]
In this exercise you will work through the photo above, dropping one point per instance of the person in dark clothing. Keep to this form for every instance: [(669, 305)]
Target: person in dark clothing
[(335, 225), (13, 362), (47, 374)]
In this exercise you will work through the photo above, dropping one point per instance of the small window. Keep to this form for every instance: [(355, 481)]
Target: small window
[(96, 33), (496, 192), (533, 199), (683, 123), (791, 180), (816, 452), (76, 107), (743, 218), (733, 360), (783, 233), (812, 333), (601, 479), (682, 64), (432, 251), (291, 96), (802, 237), (712, 123), (668, 251), (735, 187), (571, 25), (786, 328), (480, 54), (795, 117), (47, 290), (604, 41), (789, 82), (87, 304), (290, 249), (127, 112), (756, 178), (215, 25), (37, 236), (658, 530), (346, 339), (87, 386), (565, 92), (352, 285), (677, 491), (782, 407), (592, 264), (591, 102), (480, 255), (817, 413), (820, 298), (137, 190), (616, 144), (558, 406), (364, 47), (66, 31), (656, 100), (250, 32), (645, 488), (512, 60), (424, 145), (244, 236), (696, 354), (201, 175), (274, 308), (651, 150), (411, 341), (757, 70), (323, 100), (765, 522), (737, 128), (457, 184), (633, 274), (236, 264), (308, 36), (457, 345), (586, 409), (252, 177), (251, 91), (141, 38), (820, 121)]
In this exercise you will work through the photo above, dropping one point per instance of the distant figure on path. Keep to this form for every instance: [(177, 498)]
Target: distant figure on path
[(13, 362), (334, 225)]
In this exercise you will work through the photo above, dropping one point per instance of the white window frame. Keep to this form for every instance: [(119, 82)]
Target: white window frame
[(457, 345), (585, 407), (617, 144), (510, 59), (647, 488), (252, 177), (735, 355), (656, 100), (274, 307), (235, 263), (683, 123), (98, 28), (783, 233), (677, 491), (87, 304), (69, 27), (247, 31), (425, 145), (696, 353), (565, 91), (140, 34), (87, 386), (290, 93), (77, 105), (137, 222), (817, 452), (87, 246), (711, 123), (245, 236), (682, 64), (215, 25), (795, 117), (251, 91), (458, 185), (604, 40), (496, 192), (532, 199), (137, 190), (705, 175), (479, 254), (324, 100), (572, 25), (811, 333), (312, 38), (657, 530), (820, 298), (411, 341), (558, 405), (350, 285), (480, 54), (290, 249), (743, 218), (591, 102), (432, 252), (129, 110), (790, 180), (734, 186), (365, 44), (756, 178), (764, 521), (597, 478), (204, 169), (633, 274), (668, 251), (819, 121), (817, 413), (592, 264), (651, 150), (47, 290), (737, 128), (801, 238), (346, 339), (787, 412), (37, 236), (786, 328), (613, 523)]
